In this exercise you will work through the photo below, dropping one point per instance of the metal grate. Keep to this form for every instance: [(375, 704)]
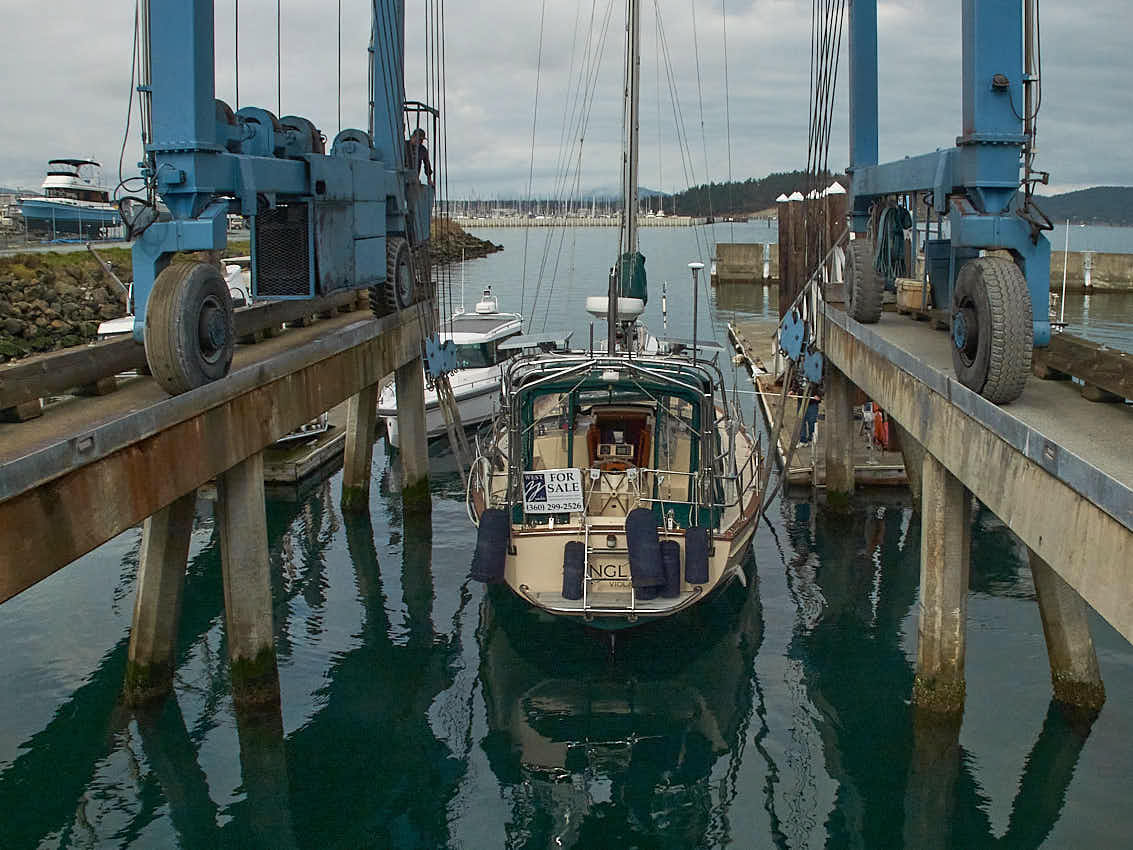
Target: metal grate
[(283, 257)]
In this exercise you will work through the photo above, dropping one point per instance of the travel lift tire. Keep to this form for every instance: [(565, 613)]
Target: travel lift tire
[(992, 328), (863, 284), (190, 331), (396, 292)]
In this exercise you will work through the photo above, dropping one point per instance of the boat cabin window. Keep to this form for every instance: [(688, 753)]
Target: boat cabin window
[(619, 439), (76, 194), (477, 355)]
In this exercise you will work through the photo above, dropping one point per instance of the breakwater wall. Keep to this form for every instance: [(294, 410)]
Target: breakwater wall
[(1107, 272), (576, 221)]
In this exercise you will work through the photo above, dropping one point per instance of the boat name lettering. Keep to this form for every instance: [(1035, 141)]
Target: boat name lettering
[(607, 572)]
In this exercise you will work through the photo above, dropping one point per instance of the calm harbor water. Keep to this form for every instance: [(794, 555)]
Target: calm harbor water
[(420, 711)]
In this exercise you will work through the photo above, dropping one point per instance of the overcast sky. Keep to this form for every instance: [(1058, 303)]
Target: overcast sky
[(66, 70)]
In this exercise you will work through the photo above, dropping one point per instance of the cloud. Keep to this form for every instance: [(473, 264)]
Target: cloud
[(66, 69)]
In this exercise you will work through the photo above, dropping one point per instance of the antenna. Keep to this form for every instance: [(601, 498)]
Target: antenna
[(696, 267)]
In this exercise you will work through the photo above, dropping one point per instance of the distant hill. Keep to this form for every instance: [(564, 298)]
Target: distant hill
[(744, 198), (1099, 205)]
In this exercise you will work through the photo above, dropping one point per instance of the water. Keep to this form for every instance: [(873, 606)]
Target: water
[(419, 710)]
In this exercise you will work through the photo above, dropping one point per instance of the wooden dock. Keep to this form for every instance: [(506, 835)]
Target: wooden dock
[(873, 466)]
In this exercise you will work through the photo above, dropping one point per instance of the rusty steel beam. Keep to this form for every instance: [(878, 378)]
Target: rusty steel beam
[(56, 507)]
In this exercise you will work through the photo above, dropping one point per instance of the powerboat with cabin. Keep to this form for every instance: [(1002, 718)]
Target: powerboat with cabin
[(618, 485), (73, 201), (481, 351)]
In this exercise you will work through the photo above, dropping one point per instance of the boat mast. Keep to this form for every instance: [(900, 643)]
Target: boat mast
[(627, 241)]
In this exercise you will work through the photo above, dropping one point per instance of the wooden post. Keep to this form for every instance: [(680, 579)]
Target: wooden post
[(410, 383), (1070, 647), (784, 256), (946, 543), (840, 438), (242, 521), (361, 417), (157, 606)]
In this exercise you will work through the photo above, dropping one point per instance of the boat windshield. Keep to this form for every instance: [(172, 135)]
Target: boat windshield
[(475, 355)]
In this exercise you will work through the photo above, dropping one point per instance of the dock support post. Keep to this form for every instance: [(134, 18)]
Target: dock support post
[(157, 606), (410, 380), (361, 416), (840, 437), (913, 454), (946, 539), (1073, 662), (242, 520)]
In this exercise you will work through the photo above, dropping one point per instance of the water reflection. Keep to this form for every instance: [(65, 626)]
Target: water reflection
[(903, 779), (601, 746)]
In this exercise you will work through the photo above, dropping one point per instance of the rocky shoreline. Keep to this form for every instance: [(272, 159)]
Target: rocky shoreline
[(51, 300)]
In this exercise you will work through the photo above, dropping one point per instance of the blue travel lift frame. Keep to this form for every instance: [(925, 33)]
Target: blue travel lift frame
[(974, 183), (207, 162)]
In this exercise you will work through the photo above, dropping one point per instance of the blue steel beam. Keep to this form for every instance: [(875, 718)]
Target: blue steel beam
[(976, 182), (863, 98), (205, 163)]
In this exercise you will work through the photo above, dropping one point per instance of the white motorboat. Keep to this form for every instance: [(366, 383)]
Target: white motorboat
[(476, 382)]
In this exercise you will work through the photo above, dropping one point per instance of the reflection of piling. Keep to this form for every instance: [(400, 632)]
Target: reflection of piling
[(930, 792)]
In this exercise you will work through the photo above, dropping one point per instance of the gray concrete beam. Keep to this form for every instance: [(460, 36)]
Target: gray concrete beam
[(361, 417), (1044, 511), (241, 518), (913, 454), (1070, 647), (840, 436), (946, 545), (414, 442), (157, 606), (63, 498)]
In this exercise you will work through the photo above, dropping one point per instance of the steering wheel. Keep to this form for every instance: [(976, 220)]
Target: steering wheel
[(614, 465)]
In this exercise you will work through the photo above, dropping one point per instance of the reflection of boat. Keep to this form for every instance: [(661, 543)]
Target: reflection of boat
[(476, 381), (72, 202), (617, 484), (583, 742)]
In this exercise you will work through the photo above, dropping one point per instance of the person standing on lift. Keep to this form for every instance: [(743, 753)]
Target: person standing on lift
[(417, 156)]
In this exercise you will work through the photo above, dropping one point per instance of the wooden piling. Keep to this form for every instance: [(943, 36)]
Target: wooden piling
[(242, 520), (361, 417), (157, 606), (946, 546)]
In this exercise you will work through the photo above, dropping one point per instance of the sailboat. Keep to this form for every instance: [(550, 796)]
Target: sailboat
[(617, 485)]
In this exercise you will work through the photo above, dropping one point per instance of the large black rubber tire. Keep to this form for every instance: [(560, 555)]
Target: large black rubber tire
[(397, 292), (190, 330), (991, 294), (863, 284)]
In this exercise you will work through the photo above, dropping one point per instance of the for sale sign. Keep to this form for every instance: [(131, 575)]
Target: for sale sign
[(552, 491)]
